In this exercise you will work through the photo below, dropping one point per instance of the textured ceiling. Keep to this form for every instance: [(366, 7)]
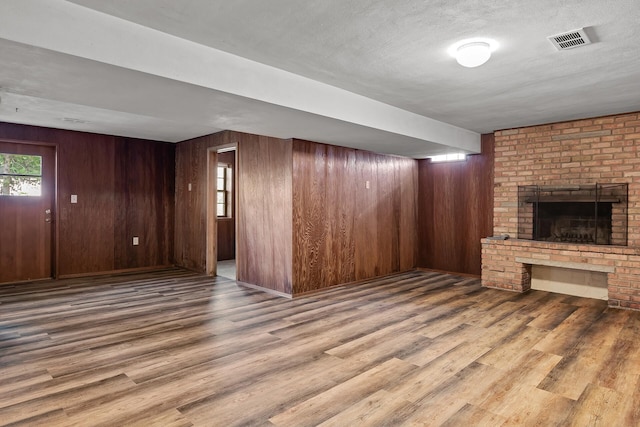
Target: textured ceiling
[(362, 73)]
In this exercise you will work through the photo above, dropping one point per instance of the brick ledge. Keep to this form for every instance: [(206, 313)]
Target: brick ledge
[(537, 244), (565, 264)]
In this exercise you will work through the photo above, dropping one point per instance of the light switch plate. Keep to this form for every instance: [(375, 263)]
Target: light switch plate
[(74, 198), (136, 241)]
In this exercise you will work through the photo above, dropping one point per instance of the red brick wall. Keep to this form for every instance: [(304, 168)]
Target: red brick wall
[(604, 150)]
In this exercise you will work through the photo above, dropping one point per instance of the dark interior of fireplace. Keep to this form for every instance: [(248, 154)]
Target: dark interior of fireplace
[(573, 222), (593, 214)]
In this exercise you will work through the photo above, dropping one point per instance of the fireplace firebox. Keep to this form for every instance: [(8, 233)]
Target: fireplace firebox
[(585, 214)]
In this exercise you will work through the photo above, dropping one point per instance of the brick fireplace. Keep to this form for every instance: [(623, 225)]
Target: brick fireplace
[(579, 155)]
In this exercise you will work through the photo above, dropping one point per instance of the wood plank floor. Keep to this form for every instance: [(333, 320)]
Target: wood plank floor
[(172, 348)]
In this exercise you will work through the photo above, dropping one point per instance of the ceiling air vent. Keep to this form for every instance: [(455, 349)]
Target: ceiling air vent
[(570, 39)]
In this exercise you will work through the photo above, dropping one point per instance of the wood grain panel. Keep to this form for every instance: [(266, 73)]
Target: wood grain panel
[(344, 231), (264, 238), (87, 227), (388, 222), (323, 215), (455, 211), (387, 215), (91, 233), (144, 189), (191, 206), (226, 239), (408, 213), (366, 226), (211, 214)]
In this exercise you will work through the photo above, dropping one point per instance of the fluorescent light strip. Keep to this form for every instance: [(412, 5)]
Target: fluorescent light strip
[(450, 157)]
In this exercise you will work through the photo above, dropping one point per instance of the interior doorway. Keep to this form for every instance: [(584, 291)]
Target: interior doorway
[(27, 199), (222, 211)]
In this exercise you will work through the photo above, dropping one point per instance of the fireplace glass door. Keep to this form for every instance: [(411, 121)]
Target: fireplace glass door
[(593, 214)]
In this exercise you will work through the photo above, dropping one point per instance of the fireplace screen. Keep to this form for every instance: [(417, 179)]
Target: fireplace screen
[(593, 214)]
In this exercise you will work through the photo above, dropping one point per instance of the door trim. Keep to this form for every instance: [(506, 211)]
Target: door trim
[(211, 259)]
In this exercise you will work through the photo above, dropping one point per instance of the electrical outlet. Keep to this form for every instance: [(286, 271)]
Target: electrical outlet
[(136, 241), (74, 198)]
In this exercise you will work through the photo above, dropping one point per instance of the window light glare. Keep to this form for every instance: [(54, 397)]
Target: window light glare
[(450, 157)]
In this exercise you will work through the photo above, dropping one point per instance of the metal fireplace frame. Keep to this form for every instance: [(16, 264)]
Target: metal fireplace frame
[(530, 198)]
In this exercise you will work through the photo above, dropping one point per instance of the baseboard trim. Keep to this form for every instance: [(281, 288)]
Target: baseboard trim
[(116, 272), (263, 289), (355, 282)]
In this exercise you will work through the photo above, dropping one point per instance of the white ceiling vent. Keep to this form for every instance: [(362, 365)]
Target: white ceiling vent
[(570, 39)]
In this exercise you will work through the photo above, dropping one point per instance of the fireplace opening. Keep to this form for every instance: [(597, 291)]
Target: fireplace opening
[(573, 222), (593, 214)]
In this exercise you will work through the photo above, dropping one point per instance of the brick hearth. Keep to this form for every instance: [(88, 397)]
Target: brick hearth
[(599, 150)]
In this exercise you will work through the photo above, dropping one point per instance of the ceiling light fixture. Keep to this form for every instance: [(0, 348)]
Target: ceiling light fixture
[(473, 52)]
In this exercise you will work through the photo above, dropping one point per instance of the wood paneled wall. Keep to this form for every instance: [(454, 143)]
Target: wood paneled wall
[(305, 219), (144, 182), (342, 230), (456, 211), (191, 206), (227, 226), (125, 188), (263, 176), (264, 242)]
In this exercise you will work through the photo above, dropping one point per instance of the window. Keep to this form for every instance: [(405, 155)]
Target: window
[(450, 157), (223, 198), (20, 175)]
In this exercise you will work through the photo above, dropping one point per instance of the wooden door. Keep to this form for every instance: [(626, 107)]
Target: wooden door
[(27, 186)]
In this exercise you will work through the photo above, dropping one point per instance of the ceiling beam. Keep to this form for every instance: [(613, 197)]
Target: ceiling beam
[(82, 32)]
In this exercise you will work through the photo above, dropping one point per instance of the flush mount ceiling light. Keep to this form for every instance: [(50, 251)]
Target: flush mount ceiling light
[(473, 52)]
